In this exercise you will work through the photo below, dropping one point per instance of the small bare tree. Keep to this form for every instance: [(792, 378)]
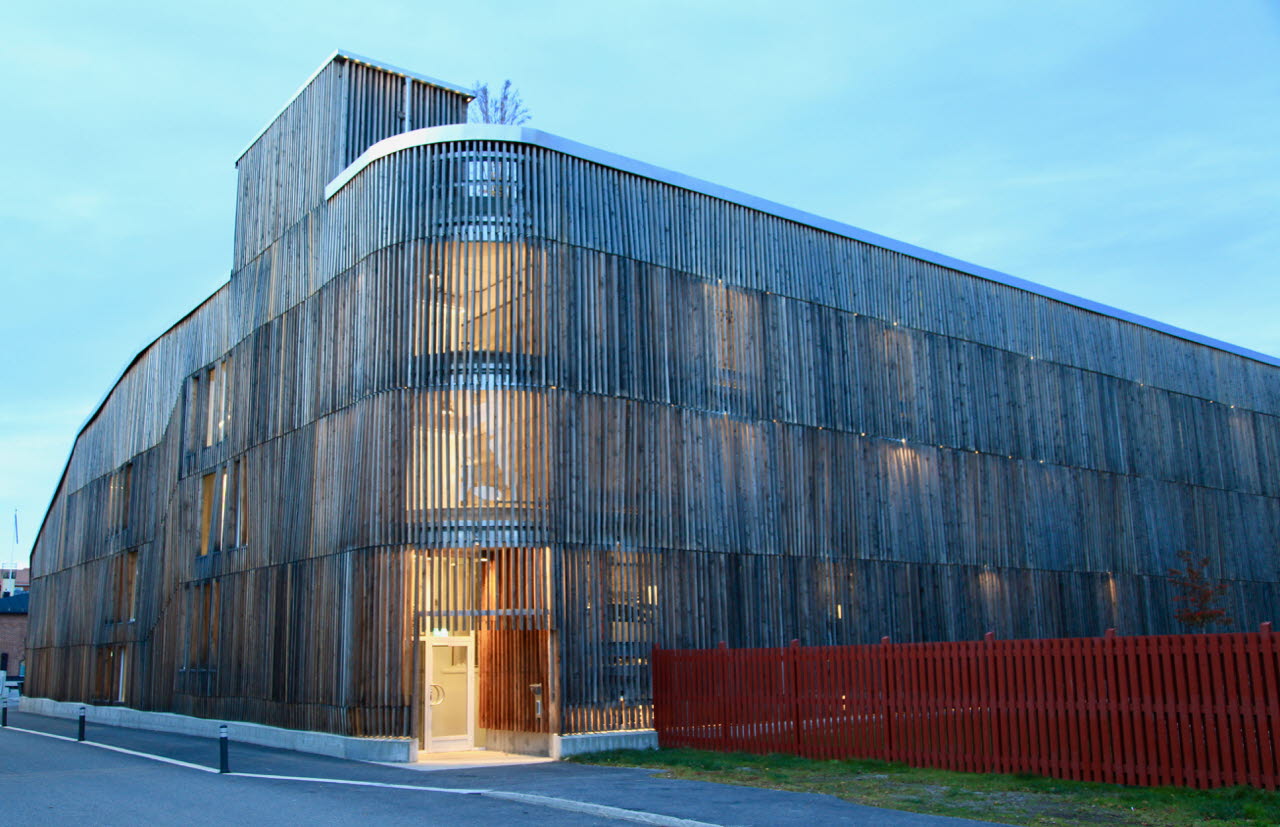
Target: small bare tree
[(1197, 594), (504, 107)]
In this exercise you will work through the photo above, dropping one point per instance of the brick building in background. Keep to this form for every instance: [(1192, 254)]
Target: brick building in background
[(13, 632)]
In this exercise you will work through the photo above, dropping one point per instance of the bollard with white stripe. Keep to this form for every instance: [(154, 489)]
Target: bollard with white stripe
[(223, 764)]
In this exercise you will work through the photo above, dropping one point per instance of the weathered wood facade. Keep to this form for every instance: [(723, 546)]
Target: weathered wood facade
[(483, 383)]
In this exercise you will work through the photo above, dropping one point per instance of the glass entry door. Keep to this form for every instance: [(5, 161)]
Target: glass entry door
[(450, 694)]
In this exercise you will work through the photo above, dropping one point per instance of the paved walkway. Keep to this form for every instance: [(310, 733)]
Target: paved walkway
[(468, 759), (271, 783)]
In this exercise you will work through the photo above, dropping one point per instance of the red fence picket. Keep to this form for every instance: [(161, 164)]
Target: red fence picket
[(1180, 710)]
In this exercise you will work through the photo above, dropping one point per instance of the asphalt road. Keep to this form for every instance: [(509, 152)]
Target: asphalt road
[(48, 781)]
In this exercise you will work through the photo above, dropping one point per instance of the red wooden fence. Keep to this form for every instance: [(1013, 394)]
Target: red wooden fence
[(1187, 710)]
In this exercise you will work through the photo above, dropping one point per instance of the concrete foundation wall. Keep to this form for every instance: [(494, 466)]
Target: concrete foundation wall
[(394, 750), (562, 746), (521, 743)]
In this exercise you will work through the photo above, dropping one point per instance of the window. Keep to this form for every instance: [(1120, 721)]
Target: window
[(122, 574), (735, 333), (130, 597), (630, 615), (478, 296), (110, 673), (491, 177), (478, 449), (224, 508), (207, 490), (734, 321), (118, 494), (240, 469), (121, 676), (224, 500), (192, 423), (203, 621), (217, 401), (213, 407), (206, 623)]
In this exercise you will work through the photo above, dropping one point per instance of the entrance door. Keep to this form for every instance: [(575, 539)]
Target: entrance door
[(450, 693)]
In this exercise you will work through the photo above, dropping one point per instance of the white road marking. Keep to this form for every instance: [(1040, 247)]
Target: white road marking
[(601, 810), (160, 758), (457, 790)]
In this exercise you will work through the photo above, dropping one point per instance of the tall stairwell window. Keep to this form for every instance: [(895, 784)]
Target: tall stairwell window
[(479, 296), (217, 399)]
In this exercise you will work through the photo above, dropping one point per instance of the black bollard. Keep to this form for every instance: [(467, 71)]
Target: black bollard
[(4, 713), (222, 750), (80, 737)]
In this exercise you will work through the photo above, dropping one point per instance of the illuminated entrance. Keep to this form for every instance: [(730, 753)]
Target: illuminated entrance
[(450, 713), (482, 647)]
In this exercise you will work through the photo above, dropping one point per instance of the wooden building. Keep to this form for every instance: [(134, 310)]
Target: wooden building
[(483, 410)]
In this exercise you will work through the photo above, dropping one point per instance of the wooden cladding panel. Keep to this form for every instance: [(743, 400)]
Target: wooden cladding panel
[(282, 176), (510, 662), (659, 476), (136, 412), (343, 111), (491, 389), (380, 104), (593, 208), (315, 644), (618, 604)]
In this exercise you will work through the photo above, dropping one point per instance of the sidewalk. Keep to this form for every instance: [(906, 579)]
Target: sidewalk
[(633, 790)]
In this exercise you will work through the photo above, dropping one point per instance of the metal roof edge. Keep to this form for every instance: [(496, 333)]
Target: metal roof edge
[(408, 73), (536, 137), (343, 54)]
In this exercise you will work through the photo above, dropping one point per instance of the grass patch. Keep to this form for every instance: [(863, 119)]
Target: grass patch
[(1012, 799)]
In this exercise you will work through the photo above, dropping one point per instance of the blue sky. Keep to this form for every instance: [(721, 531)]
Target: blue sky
[(1122, 151)]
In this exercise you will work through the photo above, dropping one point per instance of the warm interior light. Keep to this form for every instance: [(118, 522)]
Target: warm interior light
[(466, 452), (471, 291)]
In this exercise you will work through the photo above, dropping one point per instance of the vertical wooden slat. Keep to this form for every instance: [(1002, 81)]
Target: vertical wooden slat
[(759, 420)]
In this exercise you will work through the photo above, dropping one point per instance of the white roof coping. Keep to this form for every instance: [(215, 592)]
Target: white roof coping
[(535, 137)]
